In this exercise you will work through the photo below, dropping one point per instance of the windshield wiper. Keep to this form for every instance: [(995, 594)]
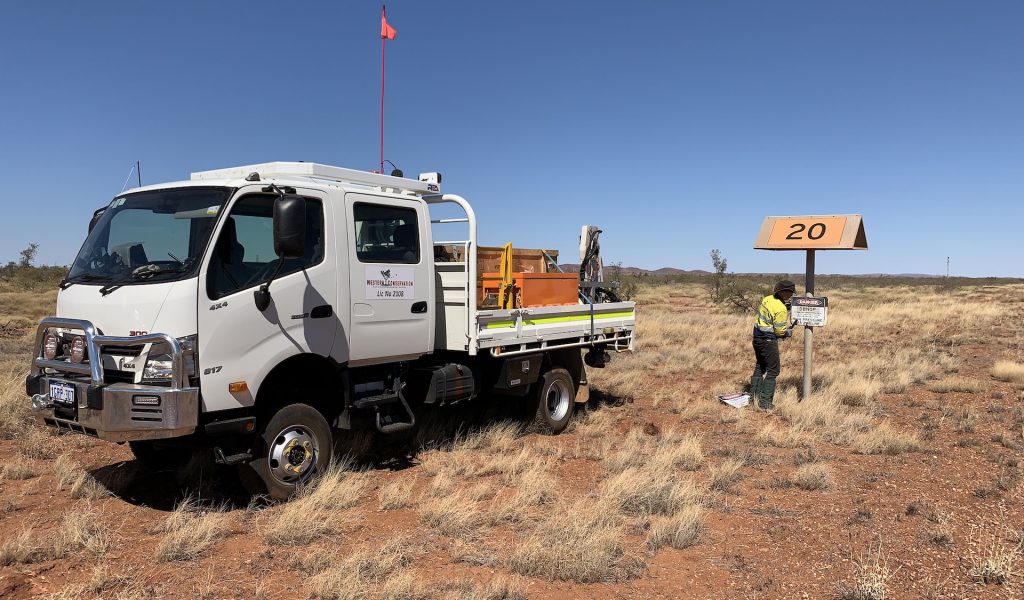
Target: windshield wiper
[(147, 270), (84, 277), (156, 269)]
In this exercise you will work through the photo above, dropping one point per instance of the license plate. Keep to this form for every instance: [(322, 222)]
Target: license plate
[(62, 393)]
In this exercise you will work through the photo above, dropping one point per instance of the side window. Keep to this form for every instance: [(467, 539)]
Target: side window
[(386, 234), (244, 255)]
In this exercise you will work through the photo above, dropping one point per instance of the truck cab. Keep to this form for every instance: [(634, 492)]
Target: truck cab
[(260, 310)]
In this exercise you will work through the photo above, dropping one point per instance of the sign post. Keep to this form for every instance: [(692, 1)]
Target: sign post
[(810, 233)]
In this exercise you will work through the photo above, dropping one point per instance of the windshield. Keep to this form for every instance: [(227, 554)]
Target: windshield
[(159, 234)]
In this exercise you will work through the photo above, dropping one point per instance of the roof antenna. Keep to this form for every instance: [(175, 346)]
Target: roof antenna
[(134, 169)]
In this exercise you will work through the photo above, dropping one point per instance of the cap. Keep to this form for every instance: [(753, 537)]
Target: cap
[(785, 285)]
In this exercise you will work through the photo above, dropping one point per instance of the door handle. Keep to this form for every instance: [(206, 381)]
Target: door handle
[(419, 307)]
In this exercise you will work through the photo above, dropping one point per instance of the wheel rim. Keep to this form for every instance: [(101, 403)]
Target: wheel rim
[(293, 455), (557, 400)]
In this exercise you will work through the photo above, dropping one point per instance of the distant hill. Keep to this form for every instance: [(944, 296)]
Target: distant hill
[(674, 272), (664, 271)]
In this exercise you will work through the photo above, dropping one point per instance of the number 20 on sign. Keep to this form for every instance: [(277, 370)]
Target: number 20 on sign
[(832, 232)]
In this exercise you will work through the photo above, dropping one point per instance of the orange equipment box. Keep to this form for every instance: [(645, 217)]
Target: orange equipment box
[(534, 289)]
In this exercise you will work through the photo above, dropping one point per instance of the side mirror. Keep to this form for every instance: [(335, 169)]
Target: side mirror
[(290, 226), (289, 240), (96, 217)]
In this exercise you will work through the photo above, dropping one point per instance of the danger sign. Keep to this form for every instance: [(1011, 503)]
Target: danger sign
[(809, 311)]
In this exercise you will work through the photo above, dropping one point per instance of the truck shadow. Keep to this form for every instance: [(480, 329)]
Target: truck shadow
[(209, 484), (162, 489)]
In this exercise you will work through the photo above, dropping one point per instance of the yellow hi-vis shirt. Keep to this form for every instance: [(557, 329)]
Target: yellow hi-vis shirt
[(772, 318)]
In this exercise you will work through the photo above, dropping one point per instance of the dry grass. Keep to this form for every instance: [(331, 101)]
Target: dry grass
[(966, 420), (37, 443), (883, 439), (725, 475), (317, 510), (579, 542), (191, 531), (453, 515), (82, 485), (645, 492), (956, 384), (15, 414), (1011, 372), (813, 476), (82, 531), (994, 564), (22, 548), (498, 588), (17, 470), (682, 452), (871, 574), (785, 437), (353, 576), (396, 494), (680, 530)]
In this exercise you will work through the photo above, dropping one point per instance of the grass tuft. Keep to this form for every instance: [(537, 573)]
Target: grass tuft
[(191, 531), (813, 476)]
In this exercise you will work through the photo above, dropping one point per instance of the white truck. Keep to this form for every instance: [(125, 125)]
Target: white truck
[(261, 311)]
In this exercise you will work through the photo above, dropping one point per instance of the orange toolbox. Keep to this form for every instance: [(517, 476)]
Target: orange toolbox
[(533, 289)]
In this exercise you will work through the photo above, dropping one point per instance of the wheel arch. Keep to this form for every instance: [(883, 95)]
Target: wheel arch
[(571, 359), (299, 372)]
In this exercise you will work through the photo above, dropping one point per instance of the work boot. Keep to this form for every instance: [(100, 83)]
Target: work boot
[(767, 394), (756, 383)]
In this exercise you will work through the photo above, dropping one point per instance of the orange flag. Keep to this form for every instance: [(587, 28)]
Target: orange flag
[(387, 32)]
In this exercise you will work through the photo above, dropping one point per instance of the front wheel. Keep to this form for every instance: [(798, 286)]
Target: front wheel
[(555, 397), (293, 446)]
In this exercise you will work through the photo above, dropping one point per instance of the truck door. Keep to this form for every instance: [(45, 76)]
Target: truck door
[(237, 341), (392, 284)]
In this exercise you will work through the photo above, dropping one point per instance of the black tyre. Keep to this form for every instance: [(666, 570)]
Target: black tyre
[(291, 448), (155, 457), (555, 398)]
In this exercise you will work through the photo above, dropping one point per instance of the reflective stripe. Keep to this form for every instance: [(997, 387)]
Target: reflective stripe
[(527, 321)]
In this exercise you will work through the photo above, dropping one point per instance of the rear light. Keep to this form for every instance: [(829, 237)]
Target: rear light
[(78, 349), (50, 345)]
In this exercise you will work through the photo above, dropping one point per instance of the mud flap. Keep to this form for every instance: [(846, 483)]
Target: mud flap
[(583, 389)]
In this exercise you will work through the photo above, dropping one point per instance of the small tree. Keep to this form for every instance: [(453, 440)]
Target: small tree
[(28, 255), (627, 282), (720, 265)]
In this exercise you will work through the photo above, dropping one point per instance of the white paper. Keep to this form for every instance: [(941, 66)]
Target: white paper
[(736, 400)]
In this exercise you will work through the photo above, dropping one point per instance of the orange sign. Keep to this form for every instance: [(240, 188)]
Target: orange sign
[(831, 232)]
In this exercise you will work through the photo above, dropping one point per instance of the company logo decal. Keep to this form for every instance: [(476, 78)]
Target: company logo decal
[(391, 283)]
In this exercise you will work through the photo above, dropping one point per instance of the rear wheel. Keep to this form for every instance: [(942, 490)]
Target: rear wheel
[(293, 446), (555, 397)]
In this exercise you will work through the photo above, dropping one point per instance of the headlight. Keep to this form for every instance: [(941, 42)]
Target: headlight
[(78, 349), (50, 346), (159, 367)]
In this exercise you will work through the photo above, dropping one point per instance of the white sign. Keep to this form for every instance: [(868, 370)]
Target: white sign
[(390, 282), (812, 312)]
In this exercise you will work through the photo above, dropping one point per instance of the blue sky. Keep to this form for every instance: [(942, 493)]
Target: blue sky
[(675, 126)]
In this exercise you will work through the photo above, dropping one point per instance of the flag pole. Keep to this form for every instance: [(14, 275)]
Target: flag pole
[(383, 39)]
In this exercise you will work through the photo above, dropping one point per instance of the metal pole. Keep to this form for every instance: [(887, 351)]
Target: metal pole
[(138, 171), (808, 331)]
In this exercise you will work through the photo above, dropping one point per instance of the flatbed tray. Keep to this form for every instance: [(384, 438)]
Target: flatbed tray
[(552, 326)]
